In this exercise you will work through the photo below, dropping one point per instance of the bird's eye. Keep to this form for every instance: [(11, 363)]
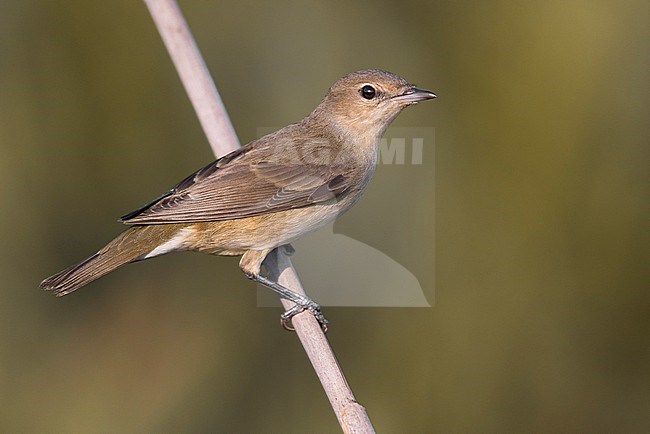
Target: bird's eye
[(368, 92)]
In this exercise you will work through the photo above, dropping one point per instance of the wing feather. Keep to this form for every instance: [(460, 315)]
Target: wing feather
[(233, 187)]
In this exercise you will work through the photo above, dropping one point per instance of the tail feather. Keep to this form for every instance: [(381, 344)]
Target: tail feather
[(131, 245)]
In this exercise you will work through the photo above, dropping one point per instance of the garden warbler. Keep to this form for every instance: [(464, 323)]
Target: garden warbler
[(267, 193)]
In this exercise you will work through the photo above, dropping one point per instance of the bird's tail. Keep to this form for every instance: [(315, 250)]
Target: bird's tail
[(135, 243)]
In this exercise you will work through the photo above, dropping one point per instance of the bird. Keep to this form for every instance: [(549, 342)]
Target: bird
[(267, 193)]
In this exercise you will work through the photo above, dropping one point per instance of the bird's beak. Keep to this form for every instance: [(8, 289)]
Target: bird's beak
[(414, 95)]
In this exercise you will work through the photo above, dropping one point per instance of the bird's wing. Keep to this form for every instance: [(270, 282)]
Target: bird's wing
[(232, 188)]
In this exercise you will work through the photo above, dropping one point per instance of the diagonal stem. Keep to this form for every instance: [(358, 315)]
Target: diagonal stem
[(220, 133)]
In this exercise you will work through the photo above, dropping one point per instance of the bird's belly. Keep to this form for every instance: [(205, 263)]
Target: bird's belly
[(260, 232)]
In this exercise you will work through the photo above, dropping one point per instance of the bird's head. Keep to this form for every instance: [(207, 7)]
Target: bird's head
[(364, 103)]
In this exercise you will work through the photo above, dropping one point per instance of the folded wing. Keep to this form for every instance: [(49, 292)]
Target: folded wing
[(232, 188)]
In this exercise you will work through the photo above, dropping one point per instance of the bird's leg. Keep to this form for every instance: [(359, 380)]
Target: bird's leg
[(288, 249), (302, 303), (251, 263)]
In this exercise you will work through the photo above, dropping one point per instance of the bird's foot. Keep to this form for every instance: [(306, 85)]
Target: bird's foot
[(301, 301), (285, 318)]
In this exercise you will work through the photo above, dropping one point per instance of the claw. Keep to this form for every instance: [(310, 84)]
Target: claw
[(286, 324), (314, 309), (301, 301)]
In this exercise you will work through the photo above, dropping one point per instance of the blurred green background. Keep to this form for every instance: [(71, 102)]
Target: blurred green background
[(540, 201)]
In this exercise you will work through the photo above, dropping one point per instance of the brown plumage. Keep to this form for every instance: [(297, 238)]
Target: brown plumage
[(267, 193), (127, 247)]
